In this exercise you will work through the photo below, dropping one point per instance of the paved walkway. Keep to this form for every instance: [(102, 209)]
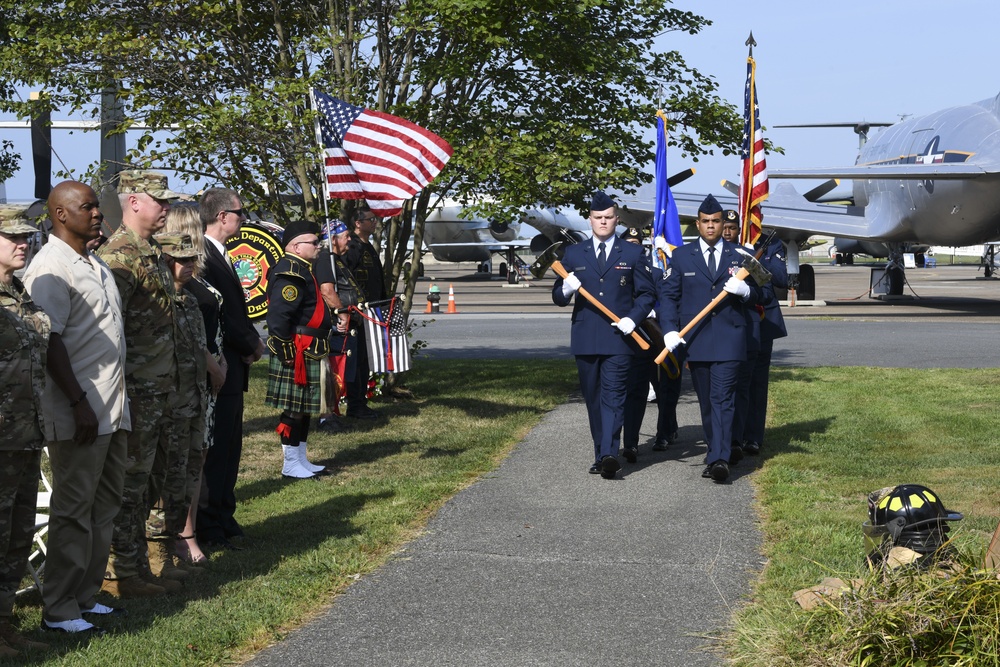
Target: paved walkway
[(540, 563)]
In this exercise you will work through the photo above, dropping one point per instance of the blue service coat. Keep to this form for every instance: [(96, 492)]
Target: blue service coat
[(773, 259), (625, 287), (722, 335)]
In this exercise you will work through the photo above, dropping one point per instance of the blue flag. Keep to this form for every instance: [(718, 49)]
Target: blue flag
[(666, 221)]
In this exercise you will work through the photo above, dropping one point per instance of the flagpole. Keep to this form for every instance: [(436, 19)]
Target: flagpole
[(662, 116), (749, 126), (318, 133)]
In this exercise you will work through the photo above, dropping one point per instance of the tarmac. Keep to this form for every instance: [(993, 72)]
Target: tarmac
[(540, 563)]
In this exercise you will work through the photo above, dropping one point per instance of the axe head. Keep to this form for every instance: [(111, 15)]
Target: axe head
[(544, 261), (760, 275)]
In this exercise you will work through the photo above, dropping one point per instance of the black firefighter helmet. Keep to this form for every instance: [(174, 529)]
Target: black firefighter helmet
[(911, 516)]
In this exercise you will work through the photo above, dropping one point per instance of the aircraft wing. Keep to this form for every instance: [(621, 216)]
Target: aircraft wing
[(492, 247), (921, 172), (787, 211)]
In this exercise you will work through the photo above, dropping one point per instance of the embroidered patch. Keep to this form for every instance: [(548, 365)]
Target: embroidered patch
[(289, 293)]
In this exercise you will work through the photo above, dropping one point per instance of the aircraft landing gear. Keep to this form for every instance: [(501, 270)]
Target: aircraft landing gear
[(894, 271), (806, 288)]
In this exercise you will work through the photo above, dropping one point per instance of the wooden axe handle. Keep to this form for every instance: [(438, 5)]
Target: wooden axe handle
[(741, 274), (561, 271)]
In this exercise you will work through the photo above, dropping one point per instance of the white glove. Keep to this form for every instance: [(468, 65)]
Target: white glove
[(736, 286), (660, 243), (570, 284), (672, 340), (625, 325)]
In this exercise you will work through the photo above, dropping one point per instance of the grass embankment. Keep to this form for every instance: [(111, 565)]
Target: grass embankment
[(311, 539), (835, 435)]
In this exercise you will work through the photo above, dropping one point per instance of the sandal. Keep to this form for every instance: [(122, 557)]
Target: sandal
[(192, 556)]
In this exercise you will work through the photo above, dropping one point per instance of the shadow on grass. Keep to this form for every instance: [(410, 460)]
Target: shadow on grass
[(778, 440), (272, 542)]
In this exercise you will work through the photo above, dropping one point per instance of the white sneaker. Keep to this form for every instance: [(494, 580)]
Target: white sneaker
[(71, 626), (292, 467), (103, 610), (304, 462)]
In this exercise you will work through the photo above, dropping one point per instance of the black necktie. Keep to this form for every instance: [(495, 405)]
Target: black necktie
[(711, 261), (602, 257)]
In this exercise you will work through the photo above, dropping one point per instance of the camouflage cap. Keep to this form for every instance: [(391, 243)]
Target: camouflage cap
[(178, 246), (153, 183), (14, 221)]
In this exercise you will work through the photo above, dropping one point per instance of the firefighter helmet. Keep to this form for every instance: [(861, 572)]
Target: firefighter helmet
[(913, 516)]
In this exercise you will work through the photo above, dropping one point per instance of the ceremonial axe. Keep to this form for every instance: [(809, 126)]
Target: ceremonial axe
[(751, 267), (550, 258)]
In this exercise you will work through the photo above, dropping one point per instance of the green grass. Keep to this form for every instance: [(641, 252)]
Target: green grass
[(312, 539), (836, 434)]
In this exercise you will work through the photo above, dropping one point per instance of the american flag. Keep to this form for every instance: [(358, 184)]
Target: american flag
[(753, 184), (375, 156), (385, 333)]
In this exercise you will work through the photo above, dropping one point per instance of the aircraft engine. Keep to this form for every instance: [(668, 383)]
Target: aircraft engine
[(539, 243), (504, 231)]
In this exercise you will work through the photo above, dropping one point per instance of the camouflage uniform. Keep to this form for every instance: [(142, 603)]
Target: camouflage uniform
[(147, 291), (24, 332), (182, 467)]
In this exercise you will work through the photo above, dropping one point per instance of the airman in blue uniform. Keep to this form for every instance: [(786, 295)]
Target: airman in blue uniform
[(615, 273), (716, 346)]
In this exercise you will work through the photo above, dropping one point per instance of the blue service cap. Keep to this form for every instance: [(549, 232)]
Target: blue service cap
[(601, 202), (710, 206)]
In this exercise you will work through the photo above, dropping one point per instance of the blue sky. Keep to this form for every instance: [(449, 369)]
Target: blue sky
[(844, 61), (816, 62)]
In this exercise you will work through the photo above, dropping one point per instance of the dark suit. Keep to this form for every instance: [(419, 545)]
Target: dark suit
[(603, 353), (717, 345), (772, 326), (239, 339)]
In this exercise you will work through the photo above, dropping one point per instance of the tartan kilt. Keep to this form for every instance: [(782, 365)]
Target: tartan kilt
[(284, 394)]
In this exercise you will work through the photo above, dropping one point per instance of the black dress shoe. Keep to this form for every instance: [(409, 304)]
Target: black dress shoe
[(332, 425), (720, 471), (661, 445), (735, 454), (751, 448), (707, 472), (631, 454), (363, 413), (595, 469), (609, 466)]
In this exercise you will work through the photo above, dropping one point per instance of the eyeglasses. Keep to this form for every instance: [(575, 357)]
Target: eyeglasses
[(184, 260), (312, 243), (239, 212), (369, 218)]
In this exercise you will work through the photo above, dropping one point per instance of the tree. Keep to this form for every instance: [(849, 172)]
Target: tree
[(544, 101)]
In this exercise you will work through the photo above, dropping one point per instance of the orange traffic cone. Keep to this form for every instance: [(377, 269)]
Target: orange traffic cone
[(451, 299)]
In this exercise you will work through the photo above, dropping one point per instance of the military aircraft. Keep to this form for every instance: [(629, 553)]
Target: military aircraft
[(932, 180), (453, 234)]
